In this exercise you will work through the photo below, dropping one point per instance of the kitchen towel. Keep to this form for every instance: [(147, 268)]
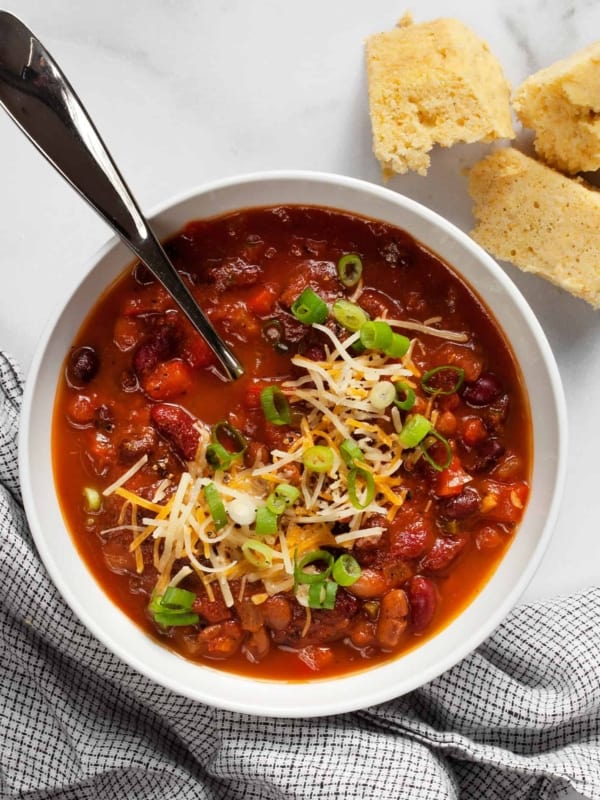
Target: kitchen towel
[(519, 718)]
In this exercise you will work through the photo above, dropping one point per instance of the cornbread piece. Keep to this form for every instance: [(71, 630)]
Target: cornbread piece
[(432, 83), (540, 220), (562, 104)]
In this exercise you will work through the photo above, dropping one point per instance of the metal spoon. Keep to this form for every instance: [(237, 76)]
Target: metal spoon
[(39, 98)]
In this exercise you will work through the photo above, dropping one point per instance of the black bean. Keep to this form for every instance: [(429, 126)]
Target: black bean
[(83, 366), (483, 391), (104, 419), (488, 452), (461, 505)]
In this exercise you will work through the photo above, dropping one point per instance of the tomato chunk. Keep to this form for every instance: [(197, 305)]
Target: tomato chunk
[(168, 380), (451, 481), (504, 502)]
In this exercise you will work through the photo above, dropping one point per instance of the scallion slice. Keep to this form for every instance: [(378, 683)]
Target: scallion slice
[(350, 452), (318, 458), (398, 346), (215, 505), (308, 307), (369, 487), (175, 598), (429, 458), (282, 497), (382, 395), (266, 522), (226, 431), (346, 570), (322, 595), (257, 553), (313, 557), (218, 457), (172, 619), (376, 335), (415, 429), (406, 402), (275, 406), (349, 315), (350, 269), (427, 386)]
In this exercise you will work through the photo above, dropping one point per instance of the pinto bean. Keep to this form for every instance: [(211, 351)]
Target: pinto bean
[(422, 598), (133, 447), (393, 619), (257, 645), (362, 632), (83, 366), (277, 613), (221, 640), (372, 583)]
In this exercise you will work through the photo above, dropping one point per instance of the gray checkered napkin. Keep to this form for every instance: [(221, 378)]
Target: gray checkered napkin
[(519, 718)]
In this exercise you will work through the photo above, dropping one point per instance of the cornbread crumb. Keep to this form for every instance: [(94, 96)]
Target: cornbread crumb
[(562, 105), (432, 83), (538, 219)]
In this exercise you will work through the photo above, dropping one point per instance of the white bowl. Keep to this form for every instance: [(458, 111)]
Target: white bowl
[(374, 685)]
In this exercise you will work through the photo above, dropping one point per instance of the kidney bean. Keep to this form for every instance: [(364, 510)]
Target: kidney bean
[(392, 619), (83, 366), (494, 416), (159, 346), (488, 453), (488, 537), (176, 425), (422, 598), (443, 552), (482, 392), (80, 411), (460, 505)]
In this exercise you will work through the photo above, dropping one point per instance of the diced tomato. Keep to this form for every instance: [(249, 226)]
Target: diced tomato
[(168, 380), (450, 481), (316, 658), (262, 299), (504, 502), (127, 332), (196, 351), (252, 396)]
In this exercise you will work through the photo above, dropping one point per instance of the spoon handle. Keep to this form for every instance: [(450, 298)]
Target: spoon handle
[(40, 99)]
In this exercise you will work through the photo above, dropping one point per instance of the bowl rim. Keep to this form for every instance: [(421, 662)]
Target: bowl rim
[(377, 692)]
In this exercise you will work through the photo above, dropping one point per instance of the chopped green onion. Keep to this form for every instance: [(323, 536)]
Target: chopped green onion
[(382, 395), (376, 335), (175, 598), (369, 490), (257, 553), (426, 379), (414, 431), (301, 576), (173, 609), (218, 457), (350, 451), (398, 347), (283, 497), (358, 347), (350, 269), (349, 315), (266, 522), (409, 399), (275, 406), (427, 456), (215, 505), (322, 595), (346, 570), (171, 619), (309, 307), (289, 493), (231, 434), (318, 458), (93, 500)]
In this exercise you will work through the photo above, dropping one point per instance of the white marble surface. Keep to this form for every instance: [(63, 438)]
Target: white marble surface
[(189, 90)]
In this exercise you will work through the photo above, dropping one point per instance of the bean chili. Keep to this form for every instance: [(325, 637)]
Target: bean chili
[(419, 464)]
